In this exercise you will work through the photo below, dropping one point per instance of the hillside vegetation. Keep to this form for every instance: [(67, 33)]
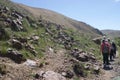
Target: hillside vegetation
[(59, 45)]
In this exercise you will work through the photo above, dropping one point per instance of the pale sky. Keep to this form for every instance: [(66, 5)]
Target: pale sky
[(101, 14)]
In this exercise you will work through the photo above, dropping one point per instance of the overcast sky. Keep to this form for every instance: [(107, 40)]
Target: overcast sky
[(101, 14)]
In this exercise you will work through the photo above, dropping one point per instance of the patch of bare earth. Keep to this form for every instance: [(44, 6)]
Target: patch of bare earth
[(56, 61), (51, 62)]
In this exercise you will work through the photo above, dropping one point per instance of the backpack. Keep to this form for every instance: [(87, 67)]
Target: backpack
[(105, 48)]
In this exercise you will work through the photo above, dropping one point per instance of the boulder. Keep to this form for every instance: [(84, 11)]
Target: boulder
[(96, 69), (79, 69), (6, 9), (67, 74), (49, 75), (82, 55), (8, 20), (16, 44), (35, 38), (87, 66), (16, 26), (15, 56), (19, 21), (97, 40), (16, 15), (31, 63)]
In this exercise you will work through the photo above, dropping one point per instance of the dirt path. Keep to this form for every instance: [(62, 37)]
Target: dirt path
[(114, 72)]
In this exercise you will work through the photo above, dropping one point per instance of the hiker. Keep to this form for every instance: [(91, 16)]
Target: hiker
[(105, 50), (111, 50), (104, 38), (114, 48)]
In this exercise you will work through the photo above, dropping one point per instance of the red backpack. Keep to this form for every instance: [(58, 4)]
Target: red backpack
[(105, 48)]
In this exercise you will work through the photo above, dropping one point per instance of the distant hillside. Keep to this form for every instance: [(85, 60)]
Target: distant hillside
[(111, 33)]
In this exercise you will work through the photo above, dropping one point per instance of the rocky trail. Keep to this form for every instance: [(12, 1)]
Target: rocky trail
[(113, 73), (50, 67)]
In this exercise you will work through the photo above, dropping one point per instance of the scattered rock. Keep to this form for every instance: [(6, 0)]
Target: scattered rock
[(50, 50), (79, 70), (35, 37), (82, 55), (49, 75), (30, 63), (96, 69), (87, 66), (68, 74), (3, 69)]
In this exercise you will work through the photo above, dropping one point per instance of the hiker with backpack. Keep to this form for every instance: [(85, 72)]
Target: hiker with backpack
[(111, 50), (105, 50), (114, 48)]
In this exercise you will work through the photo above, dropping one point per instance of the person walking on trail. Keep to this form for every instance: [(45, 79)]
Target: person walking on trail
[(111, 50), (105, 50), (114, 48), (104, 38)]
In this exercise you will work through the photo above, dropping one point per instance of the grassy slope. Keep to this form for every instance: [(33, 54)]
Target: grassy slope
[(85, 40), (57, 18)]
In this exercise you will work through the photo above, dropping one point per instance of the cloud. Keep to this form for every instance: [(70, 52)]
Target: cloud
[(117, 0)]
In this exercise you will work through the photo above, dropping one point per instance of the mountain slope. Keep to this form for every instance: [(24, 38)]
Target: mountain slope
[(111, 33), (34, 47), (62, 20)]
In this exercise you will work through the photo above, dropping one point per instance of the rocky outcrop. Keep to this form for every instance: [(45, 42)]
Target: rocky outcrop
[(16, 25), (82, 55), (84, 62), (21, 42), (97, 40), (12, 18), (58, 34), (15, 56)]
